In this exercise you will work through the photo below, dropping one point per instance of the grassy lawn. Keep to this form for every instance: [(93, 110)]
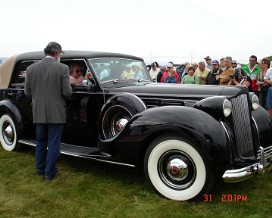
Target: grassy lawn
[(92, 189)]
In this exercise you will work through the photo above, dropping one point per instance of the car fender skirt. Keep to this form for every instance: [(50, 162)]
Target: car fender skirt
[(191, 123)]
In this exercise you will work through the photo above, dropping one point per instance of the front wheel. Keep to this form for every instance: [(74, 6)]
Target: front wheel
[(176, 169), (8, 133)]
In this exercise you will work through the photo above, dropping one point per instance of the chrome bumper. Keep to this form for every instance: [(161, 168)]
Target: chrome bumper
[(263, 165)]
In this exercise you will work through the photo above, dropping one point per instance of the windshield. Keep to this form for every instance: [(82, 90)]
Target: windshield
[(109, 68)]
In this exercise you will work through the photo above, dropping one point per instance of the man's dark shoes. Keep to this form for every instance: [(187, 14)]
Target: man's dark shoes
[(49, 179), (41, 174)]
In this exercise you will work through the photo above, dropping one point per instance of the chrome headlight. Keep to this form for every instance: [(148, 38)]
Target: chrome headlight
[(254, 100), (227, 107)]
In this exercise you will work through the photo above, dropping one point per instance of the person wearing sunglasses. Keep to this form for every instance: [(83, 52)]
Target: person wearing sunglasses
[(76, 74)]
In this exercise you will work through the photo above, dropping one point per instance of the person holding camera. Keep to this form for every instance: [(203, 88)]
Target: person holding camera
[(242, 79)]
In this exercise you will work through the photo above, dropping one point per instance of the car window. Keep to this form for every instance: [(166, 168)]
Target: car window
[(81, 63), (118, 68), (20, 73)]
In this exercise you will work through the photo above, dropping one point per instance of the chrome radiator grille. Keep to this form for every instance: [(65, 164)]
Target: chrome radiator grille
[(242, 126)]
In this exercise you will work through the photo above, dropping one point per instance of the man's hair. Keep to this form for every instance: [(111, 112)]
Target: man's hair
[(201, 63), (254, 57), (229, 58), (52, 48)]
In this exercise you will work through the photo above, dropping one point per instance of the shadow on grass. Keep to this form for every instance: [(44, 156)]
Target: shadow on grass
[(122, 173), (132, 176)]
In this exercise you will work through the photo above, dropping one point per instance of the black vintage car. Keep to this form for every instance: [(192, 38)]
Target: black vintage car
[(183, 136)]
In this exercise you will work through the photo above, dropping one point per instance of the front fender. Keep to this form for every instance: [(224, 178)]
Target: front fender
[(191, 123), (263, 125)]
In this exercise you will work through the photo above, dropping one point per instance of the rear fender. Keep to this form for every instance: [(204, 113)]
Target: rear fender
[(6, 106)]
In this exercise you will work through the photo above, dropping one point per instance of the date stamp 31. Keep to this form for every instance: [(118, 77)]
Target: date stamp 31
[(227, 198)]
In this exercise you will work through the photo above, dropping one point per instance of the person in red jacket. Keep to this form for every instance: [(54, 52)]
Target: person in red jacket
[(166, 73)]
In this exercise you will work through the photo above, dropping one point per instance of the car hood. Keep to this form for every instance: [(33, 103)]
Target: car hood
[(180, 90)]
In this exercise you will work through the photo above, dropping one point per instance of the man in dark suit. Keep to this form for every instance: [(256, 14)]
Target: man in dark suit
[(47, 82)]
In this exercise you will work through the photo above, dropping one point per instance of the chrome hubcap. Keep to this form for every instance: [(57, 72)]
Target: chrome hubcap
[(115, 120), (120, 124), (8, 133), (176, 169)]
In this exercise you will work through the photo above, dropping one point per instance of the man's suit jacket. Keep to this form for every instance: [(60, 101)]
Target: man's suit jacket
[(47, 82)]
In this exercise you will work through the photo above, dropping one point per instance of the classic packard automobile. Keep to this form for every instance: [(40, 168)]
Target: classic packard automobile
[(183, 137)]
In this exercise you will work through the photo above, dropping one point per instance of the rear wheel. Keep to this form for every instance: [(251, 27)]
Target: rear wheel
[(8, 133), (177, 169)]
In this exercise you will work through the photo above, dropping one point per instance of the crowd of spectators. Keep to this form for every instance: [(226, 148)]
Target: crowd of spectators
[(256, 75)]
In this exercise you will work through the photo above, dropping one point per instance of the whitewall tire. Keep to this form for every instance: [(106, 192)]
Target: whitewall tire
[(8, 133), (176, 169)]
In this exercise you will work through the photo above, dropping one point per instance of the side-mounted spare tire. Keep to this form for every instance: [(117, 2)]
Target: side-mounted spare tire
[(117, 112)]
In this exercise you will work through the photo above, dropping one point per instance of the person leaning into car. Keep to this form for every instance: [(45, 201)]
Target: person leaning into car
[(47, 83), (76, 77)]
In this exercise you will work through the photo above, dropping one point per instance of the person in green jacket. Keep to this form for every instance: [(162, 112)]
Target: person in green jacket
[(252, 70)]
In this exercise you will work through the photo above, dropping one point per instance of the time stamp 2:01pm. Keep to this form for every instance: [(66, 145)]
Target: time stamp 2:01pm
[(226, 198)]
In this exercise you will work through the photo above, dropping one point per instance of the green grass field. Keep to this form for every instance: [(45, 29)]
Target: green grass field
[(91, 189)]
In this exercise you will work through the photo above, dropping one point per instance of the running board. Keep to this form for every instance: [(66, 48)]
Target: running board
[(80, 151), (74, 150)]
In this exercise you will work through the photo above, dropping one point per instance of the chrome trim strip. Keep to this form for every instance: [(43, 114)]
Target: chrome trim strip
[(100, 160), (27, 143), (225, 129), (257, 129)]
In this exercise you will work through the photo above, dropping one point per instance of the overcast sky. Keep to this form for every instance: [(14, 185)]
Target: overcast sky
[(157, 30)]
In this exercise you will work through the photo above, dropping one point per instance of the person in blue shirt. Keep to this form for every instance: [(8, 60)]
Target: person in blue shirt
[(171, 78), (137, 71)]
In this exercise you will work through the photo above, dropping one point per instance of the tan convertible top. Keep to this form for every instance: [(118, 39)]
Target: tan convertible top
[(6, 70)]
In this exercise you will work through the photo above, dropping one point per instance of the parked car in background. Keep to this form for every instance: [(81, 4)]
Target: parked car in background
[(182, 136)]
